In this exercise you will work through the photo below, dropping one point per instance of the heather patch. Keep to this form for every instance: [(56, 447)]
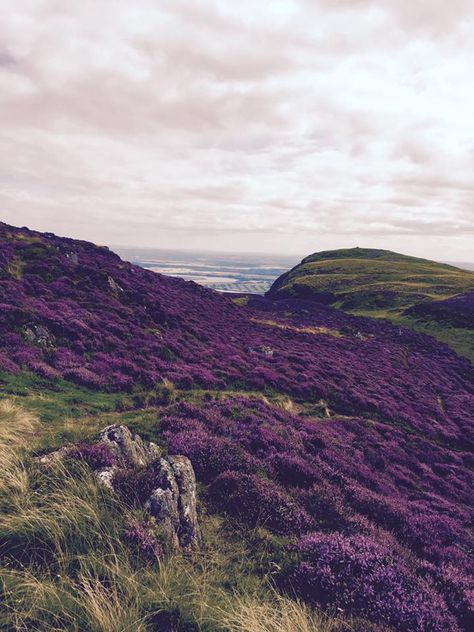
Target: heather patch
[(406, 497), (362, 576)]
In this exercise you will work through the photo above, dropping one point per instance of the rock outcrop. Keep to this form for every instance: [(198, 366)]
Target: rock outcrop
[(172, 497), (131, 450), (174, 503)]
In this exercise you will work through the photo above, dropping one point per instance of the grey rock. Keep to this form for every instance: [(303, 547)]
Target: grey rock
[(39, 335), (173, 503), (114, 286), (130, 449), (163, 506), (167, 478), (105, 476), (189, 533), (53, 458)]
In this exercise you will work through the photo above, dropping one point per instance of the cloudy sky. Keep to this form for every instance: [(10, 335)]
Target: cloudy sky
[(285, 126)]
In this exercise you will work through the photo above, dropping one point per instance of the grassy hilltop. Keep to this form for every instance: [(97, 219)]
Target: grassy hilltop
[(384, 284)]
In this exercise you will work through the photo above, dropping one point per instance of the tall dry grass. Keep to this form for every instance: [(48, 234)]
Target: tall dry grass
[(271, 612), (17, 426), (64, 564)]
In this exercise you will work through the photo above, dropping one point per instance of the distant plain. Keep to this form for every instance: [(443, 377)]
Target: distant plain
[(224, 272)]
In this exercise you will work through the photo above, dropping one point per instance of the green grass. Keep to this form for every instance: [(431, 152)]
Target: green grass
[(376, 283), (71, 413), (460, 340)]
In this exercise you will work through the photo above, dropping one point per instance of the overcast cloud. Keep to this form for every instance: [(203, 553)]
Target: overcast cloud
[(285, 126)]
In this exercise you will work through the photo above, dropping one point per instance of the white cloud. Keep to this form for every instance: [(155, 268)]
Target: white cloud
[(295, 125)]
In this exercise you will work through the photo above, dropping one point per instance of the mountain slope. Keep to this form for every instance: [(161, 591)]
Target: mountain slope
[(381, 283), (75, 311), (367, 468), (457, 311)]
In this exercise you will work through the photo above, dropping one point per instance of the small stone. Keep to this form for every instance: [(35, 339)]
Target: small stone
[(53, 458), (105, 476)]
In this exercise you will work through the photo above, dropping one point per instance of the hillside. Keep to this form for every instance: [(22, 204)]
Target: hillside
[(321, 441), (457, 311), (382, 284)]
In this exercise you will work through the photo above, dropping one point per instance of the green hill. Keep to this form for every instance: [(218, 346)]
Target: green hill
[(381, 284)]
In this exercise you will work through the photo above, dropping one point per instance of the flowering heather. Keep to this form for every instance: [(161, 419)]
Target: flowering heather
[(106, 324), (371, 481), (403, 494), (363, 576), (259, 502), (457, 311), (139, 536), (96, 455), (212, 455), (134, 486)]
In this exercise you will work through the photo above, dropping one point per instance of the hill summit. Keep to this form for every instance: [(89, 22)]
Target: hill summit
[(369, 279), (427, 296)]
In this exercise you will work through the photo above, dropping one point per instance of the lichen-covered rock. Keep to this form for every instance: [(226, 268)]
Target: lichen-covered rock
[(114, 286), (163, 506), (106, 475), (189, 534), (173, 504), (39, 335), (164, 486), (130, 449), (173, 501), (53, 458), (165, 476)]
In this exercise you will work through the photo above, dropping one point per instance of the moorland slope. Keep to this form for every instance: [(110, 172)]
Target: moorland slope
[(334, 452)]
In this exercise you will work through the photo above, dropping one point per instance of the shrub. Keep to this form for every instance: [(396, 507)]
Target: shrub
[(258, 501), (292, 470), (139, 536), (135, 486), (457, 588), (96, 455), (363, 577), (211, 455), (164, 393)]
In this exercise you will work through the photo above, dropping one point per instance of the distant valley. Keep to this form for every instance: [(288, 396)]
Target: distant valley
[(248, 273)]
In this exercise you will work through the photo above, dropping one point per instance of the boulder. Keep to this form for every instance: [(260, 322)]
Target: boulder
[(53, 458), (39, 335), (163, 506), (172, 502)]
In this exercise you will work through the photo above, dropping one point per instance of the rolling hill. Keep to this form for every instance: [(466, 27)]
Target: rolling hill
[(383, 284), (333, 452)]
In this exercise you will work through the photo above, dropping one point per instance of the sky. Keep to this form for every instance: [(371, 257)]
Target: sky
[(288, 126)]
